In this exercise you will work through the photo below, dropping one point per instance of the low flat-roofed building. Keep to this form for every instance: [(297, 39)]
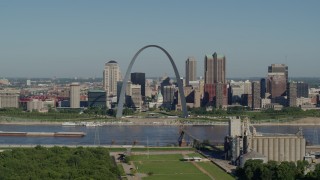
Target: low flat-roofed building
[(9, 98), (274, 106), (35, 104)]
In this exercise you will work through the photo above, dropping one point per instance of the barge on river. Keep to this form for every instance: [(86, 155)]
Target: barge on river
[(43, 134)]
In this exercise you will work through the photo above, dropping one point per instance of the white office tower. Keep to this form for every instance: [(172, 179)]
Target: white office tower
[(111, 75), (75, 95)]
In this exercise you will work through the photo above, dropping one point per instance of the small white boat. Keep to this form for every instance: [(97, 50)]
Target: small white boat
[(69, 124), (92, 124)]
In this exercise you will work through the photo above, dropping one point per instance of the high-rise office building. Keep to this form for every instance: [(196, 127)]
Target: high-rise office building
[(236, 90), (215, 73), (97, 98), (193, 97), (246, 100), (277, 84), (277, 80), (221, 98), (247, 87), (302, 90), (74, 95), (256, 98), (133, 95), (139, 78), (279, 68), (111, 75), (292, 94), (215, 69), (168, 96), (263, 88), (191, 70), (165, 81)]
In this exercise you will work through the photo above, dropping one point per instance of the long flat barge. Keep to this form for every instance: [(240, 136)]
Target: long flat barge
[(43, 134)]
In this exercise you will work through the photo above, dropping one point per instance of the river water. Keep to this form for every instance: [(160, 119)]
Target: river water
[(142, 135)]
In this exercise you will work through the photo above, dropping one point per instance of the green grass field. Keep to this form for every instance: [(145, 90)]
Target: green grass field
[(178, 177), (160, 167), (167, 157), (215, 171), (120, 167)]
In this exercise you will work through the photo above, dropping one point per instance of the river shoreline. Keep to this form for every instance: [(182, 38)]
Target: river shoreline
[(308, 121), (35, 123)]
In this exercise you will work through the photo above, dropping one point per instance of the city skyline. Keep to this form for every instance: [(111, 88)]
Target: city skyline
[(46, 39)]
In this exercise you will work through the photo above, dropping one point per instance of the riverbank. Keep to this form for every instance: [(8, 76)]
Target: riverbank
[(308, 121)]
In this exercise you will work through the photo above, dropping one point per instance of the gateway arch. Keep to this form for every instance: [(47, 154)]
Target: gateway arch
[(125, 81)]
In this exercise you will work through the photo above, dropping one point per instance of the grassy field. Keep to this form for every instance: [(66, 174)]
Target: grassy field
[(215, 171), (178, 177), (170, 166), (169, 157), (120, 167)]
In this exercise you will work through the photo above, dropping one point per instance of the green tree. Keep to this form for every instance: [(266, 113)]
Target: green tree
[(286, 171), (301, 167), (252, 169)]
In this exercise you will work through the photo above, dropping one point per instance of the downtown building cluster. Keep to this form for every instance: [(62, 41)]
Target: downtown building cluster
[(214, 90)]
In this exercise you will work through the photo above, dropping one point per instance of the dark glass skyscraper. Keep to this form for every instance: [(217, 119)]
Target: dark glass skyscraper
[(302, 89), (139, 78), (97, 98), (263, 88)]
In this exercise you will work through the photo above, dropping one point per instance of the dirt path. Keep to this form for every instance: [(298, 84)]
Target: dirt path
[(202, 170)]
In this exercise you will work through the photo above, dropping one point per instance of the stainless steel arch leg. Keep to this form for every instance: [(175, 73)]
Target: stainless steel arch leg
[(126, 77)]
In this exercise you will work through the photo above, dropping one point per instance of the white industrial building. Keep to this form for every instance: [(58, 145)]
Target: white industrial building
[(244, 139)]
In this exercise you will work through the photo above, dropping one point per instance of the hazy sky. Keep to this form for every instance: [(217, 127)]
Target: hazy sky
[(75, 38)]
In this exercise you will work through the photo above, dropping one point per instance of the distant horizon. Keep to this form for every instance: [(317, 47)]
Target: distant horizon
[(76, 38), (150, 77)]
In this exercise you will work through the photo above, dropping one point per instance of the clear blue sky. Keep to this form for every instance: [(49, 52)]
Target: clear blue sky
[(75, 38)]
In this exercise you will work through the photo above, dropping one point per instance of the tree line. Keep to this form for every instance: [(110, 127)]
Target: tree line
[(257, 170), (57, 163), (263, 114)]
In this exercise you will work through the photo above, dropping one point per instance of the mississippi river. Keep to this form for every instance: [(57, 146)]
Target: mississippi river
[(151, 135)]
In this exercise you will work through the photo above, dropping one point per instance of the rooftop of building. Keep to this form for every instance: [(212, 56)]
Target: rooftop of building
[(75, 84), (96, 91), (273, 135), (112, 61), (215, 54), (278, 65), (209, 56), (191, 58)]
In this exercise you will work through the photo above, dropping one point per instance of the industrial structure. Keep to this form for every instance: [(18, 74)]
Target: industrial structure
[(244, 139)]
